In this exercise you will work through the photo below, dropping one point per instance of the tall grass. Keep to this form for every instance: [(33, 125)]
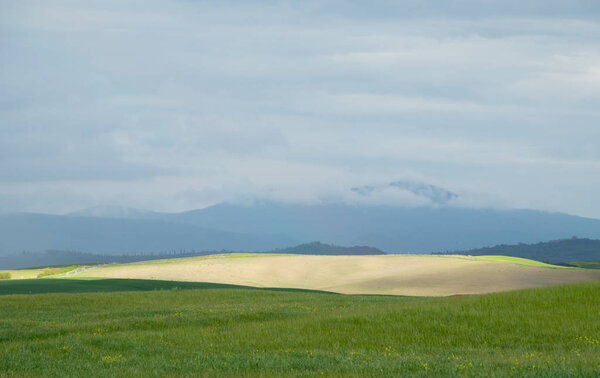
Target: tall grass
[(239, 332), (5, 275)]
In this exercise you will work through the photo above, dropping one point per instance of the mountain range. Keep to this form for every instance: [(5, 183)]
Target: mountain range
[(267, 226)]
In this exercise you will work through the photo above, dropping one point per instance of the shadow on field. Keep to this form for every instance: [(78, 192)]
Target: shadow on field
[(66, 285)]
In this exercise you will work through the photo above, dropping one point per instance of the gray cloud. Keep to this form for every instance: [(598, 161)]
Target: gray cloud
[(175, 105), (435, 194)]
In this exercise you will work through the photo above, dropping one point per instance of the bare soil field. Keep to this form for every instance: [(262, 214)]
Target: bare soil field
[(418, 275)]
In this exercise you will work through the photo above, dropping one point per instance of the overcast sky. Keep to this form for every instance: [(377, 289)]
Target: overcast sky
[(176, 105)]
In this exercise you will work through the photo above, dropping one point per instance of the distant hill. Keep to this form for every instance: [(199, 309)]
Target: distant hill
[(61, 257), (556, 251), (318, 248)]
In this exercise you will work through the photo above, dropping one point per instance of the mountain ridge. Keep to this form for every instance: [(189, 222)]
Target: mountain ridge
[(267, 226)]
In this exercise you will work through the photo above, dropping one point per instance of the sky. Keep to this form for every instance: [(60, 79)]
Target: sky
[(178, 105)]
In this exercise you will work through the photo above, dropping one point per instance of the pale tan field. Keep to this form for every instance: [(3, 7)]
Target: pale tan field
[(420, 275)]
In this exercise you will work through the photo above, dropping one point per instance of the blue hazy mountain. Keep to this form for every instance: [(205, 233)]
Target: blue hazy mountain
[(111, 211), (267, 226), (394, 229), (93, 234), (390, 228)]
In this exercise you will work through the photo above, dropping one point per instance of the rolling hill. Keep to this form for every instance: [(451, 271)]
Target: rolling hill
[(421, 275)]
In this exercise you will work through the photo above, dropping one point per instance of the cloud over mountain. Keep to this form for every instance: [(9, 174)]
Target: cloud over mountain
[(437, 195)]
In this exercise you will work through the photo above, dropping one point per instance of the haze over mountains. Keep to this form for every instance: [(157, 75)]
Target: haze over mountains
[(267, 226), (64, 257), (113, 235)]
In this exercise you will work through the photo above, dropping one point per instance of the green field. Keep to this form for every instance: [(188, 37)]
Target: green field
[(91, 285), (224, 331)]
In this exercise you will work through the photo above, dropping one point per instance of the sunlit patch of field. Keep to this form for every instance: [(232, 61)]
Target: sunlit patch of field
[(19, 274), (414, 275), (517, 260)]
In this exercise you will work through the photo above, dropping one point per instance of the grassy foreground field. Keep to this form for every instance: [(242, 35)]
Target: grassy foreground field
[(240, 332), (414, 275)]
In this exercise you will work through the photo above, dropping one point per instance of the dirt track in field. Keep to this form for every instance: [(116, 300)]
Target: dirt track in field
[(393, 274)]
